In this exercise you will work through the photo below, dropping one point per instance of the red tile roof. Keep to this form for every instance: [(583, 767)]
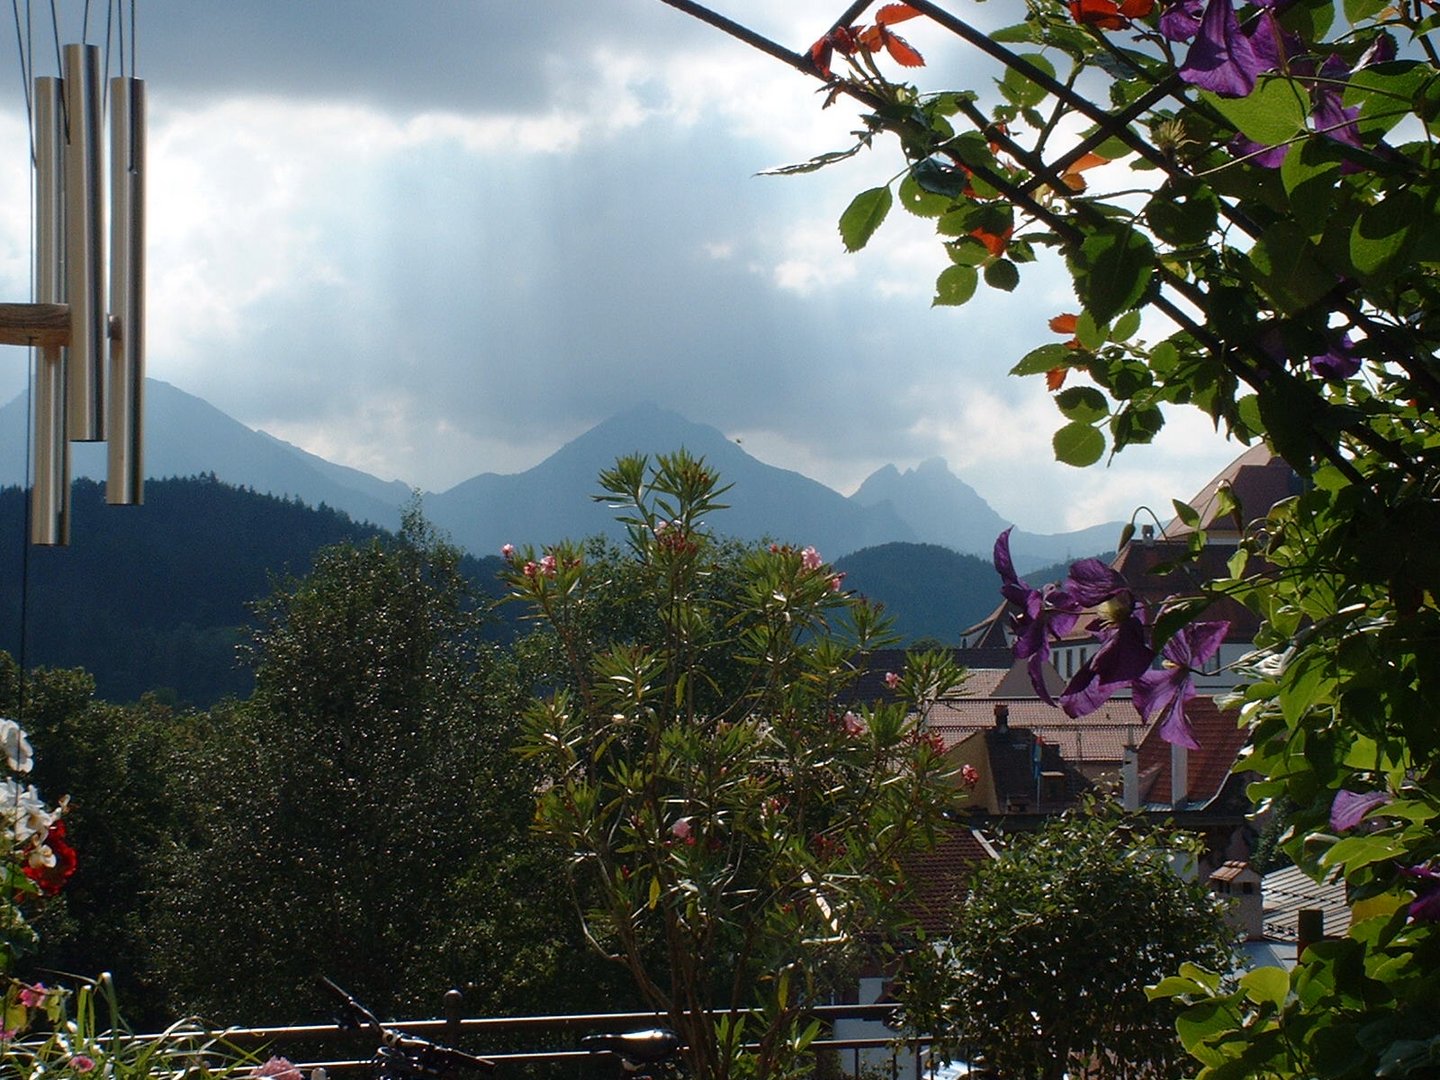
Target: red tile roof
[(1207, 768), (941, 876)]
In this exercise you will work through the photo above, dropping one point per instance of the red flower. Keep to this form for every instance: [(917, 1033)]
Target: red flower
[(1109, 14), (51, 879)]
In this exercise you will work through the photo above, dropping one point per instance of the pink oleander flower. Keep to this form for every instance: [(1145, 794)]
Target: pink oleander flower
[(279, 1068), (661, 526), (507, 551), (530, 569), (892, 680), (8, 1034), (854, 725), (837, 582), (82, 1064), (547, 565), (810, 559), (682, 830), (33, 997), (969, 775)]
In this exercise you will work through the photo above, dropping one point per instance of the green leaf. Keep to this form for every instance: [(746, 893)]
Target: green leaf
[(863, 216), (955, 285), (966, 251), (1187, 513), (1125, 327), (1183, 217), (1382, 233), (1002, 274), (1078, 444), (1112, 270), (1200, 1021), (1264, 984), (1274, 112), (1287, 267), (1089, 332), (1083, 403), (1045, 358), (919, 201), (1019, 89)]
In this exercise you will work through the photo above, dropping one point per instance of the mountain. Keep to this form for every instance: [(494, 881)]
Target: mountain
[(551, 501), (186, 436), (942, 509)]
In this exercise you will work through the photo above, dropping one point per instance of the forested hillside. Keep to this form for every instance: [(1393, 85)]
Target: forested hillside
[(158, 597)]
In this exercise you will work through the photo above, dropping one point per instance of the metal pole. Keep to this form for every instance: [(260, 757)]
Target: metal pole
[(125, 475), (84, 245), (50, 492)]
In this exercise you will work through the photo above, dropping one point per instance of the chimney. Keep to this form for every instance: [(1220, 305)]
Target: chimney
[(1310, 927), (1179, 775), (1130, 779), (1002, 716)]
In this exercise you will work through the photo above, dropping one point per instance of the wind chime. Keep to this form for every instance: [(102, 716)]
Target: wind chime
[(88, 341)]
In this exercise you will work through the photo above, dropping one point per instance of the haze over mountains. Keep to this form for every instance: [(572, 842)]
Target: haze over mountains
[(928, 504)]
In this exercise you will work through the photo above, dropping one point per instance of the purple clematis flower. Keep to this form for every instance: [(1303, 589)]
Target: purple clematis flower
[(1339, 363), (1350, 807), (1123, 653), (1044, 614), (1222, 59), (1426, 905), (1180, 19), (1327, 110), (1163, 694)]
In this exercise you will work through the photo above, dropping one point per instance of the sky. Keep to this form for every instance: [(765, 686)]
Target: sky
[(435, 238)]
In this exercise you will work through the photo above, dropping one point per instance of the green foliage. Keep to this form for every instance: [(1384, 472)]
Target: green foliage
[(737, 828), (362, 815), (1281, 232), (1055, 944)]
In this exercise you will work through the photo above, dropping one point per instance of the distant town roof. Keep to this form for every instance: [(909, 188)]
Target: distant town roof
[(1100, 737), (1257, 480), (1289, 891), (941, 876)]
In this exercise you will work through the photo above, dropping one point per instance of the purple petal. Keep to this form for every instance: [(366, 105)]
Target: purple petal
[(1092, 583), (1004, 565), (1193, 645), (1426, 905), (1339, 363), (1258, 154), (1350, 807), (1122, 657), (1164, 695), (1036, 671), (1181, 18), (1222, 59), (1273, 45)]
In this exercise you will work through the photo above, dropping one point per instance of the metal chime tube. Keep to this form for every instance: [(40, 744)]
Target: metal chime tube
[(50, 493), (125, 478), (84, 245)]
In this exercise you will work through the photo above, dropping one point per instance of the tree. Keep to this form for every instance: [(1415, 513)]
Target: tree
[(1056, 941), (363, 815), (1259, 181), (737, 824)]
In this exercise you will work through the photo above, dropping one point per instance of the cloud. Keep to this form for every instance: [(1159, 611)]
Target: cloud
[(435, 239)]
